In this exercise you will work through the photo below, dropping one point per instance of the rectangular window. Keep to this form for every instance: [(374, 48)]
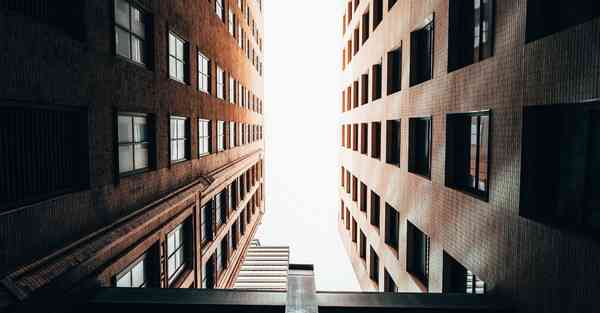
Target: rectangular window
[(220, 10), (348, 136), (377, 82), (208, 274), (364, 138), (377, 13), (458, 279), (203, 73), (355, 98), (234, 236), (467, 138), (421, 54), (175, 253), (365, 27), (376, 140), (347, 219), (393, 141), (374, 266), (392, 227), (343, 135), (343, 174), (419, 146), (362, 246), (130, 31), (364, 88), (207, 227), (134, 276), (349, 98), (220, 136), (134, 142), (389, 285), (231, 94), (354, 188), (224, 252), (354, 234), (394, 71), (204, 131), (417, 253), (363, 197), (375, 203), (546, 17), (220, 83), (348, 181), (177, 58), (356, 40), (179, 139), (232, 134), (355, 137)]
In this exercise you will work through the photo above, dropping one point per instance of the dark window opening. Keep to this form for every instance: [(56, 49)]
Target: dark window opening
[(354, 188), (393, 142), (546, 17), (394, 71), (355, 96), (354, 231), (376, 140), (377, 82), (417, 253), (365, 27), (355, 137), (364, 138), (377, 13), (375, 203), (364, 91), (362, 246), (363, 197), (421, 54), (374, 266), (419, 154), (389, 285), (392, 227), (457, 279)]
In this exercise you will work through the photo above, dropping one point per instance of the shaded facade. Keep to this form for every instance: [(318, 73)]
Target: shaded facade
[(131, 143), (469, 142), (264, 268)]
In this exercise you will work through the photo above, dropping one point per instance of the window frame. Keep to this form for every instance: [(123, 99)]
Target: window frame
[(201, 74), (420, 58), (183, 60), (143, 41), (129, 271), (185, 138), (413, 167), (171, 277), (149, 141), (204, 137)]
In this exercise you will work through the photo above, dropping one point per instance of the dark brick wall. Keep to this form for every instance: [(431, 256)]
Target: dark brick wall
[(538, 267)]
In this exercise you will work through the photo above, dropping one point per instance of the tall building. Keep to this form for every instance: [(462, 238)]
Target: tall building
[(470, 147), (264, 268), (131, 143)]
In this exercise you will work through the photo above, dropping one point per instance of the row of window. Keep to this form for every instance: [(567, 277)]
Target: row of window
[(235, 30), (467, 147), (456, 278), (137, 142), (144, 272)]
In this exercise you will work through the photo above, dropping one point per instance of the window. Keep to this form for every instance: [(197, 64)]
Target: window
[(389, 285), (421, 54), (343, 135), (467, 147), (374, 266), (355, 99), (208, 274), (342, 210), (417, 253), (349, 98), (232, 130), (546, 17), (130, 31), (175, 253), (377, 82), (134, 142), (224, 252), (134, 276), (234, 236), (220, 83), (393, 139), (348, 182), (392, 226), (177, 58), (354, 188), (343, 174), (375, 203), (560, 172), (354, 234), (204, 130), (355, 137), (394, 71), (365, 27), (220, 136), (362, 246), (356, 40), (179, 139), (347, 219), (363, 197), (203, 73), (457, 279), (231, 23), (207, 222), (232, 88), (376, 140), (364, 138), (377, 13), (220, 9), (364, 91), (348, 136), (471, 32), (391, 4), (419, 146)]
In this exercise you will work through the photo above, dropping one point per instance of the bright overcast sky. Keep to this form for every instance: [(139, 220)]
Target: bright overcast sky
[(302, 79)]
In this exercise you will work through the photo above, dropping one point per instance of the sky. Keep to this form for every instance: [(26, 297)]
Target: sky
[(302, 73)]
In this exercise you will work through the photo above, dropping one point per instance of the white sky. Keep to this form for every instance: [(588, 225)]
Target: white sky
[(302, 104)]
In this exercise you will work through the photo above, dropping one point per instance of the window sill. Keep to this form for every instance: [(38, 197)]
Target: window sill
[(130, 61), (176, 162), (200, 156), (419, 280), (471, 192), (171, 78), (135, 173)]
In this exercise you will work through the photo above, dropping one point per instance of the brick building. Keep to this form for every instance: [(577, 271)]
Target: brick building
[(469, 148), (131, 143)]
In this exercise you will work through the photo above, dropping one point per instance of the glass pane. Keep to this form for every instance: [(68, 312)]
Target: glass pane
[(180, 129), (141, 156), (473, 152), (172, 45), (179, 75), (179, 49), (180, 149), (125, 129), (137, 23), (125, 158), (137, 49), (122, 42), (483, 152), (171, 267), (173, 128), (137, 274), (173, 150), (172, 67), (125, 281), (178, 236), (122, 13), (170, 243), (140, 129)]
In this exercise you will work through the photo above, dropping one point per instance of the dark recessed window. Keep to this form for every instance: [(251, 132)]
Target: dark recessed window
[(373, 266), (354, 231), (467, 150), (471, 32), (364, 138), (342, 176), (560, 172), (224, 252), (355, 98), (135, 142), (394, 71), (391, 4), (178, 56), (417, 253), (458, 279), (131, 24), (348, 136), (365, 27), (175, 252), (389, 285), (362, 246), (179, 139), (374, 214), (392, 227), (349, 98), (376, 140), (419, 146), (356, 40), (363, 197), (364, 88), (377, 82), (393, 142), (342, 206), (209, 274), (377, 13), (207, 222), (355, 137), (354, 188), (347, 219), (546, 17), (348, 182), (134, 276), (204, 142), (421, 54)]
